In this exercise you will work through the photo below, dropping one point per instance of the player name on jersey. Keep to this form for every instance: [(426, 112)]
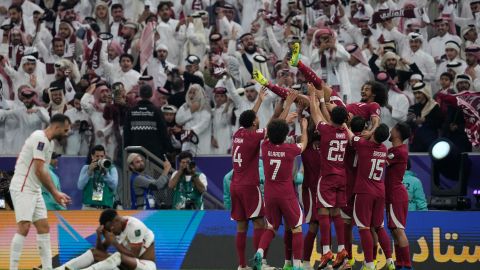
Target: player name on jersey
[(276, 154)]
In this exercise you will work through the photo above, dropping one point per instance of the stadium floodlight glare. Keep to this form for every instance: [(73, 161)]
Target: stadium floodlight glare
[(449, 176), (440, 150)]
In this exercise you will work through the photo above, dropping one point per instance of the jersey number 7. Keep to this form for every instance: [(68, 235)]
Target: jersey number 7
[(277, 163)]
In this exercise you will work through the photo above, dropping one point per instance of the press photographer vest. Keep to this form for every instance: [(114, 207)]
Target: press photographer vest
[(186, 191), (96, 182)]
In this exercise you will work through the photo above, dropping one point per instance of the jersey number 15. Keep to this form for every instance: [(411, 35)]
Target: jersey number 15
[(376, 170)]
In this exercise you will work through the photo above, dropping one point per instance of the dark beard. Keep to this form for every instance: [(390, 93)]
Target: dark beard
[(251, 51), (29, 105)]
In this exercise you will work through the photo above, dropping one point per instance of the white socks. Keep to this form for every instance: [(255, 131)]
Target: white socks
[(260, 250), (297, 263), (16, 250), (306, 265), (110, 263), (341, 247), (326, 249), (44, 249), (288, 263), (80, 262)]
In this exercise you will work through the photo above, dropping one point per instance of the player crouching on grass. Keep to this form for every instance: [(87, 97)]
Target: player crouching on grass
[(130, 237), (280, 197)]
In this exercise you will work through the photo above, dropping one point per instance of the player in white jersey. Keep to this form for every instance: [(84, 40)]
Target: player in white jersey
[(25, 188), (130, 237)]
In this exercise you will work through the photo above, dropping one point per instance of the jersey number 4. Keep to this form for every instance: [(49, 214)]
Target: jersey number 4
[(277, 163), (376, 170), (336, 150), (237, 157)]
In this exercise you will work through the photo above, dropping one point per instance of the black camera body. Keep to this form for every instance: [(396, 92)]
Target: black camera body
[(190, 167)]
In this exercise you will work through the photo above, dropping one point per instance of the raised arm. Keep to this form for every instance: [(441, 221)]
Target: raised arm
[(292, 95), (349, 132), (317, 116), (304, 137), (261, 97)]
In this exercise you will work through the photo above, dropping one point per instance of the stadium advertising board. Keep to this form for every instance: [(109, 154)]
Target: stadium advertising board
[(205, 239)]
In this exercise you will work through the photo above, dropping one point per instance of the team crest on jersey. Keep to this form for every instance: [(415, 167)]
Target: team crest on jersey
[(138, 233), (391, 156), (40, 146), (356, 138)]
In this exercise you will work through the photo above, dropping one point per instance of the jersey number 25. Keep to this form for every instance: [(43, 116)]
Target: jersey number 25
[(336, 150)]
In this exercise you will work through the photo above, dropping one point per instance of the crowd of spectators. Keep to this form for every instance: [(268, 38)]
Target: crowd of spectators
[(90, 59)]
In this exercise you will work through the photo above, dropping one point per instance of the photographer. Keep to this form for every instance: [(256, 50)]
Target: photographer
[(141, 184), (188, 184), (98, 179)]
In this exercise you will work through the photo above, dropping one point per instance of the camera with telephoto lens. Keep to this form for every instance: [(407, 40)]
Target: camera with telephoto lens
[(190, 167), (104, 163)]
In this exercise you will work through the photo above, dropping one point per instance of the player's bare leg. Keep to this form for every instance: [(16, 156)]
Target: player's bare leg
[(16, 245), (297, 247), (240, 243), (324, 224), (308, 244), (401, 243)]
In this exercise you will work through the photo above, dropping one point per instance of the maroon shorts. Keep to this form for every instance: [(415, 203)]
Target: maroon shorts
[(368, 210), (308, 199), (347, 211), (289, 209), (397, 215), (247, 202), (331, 191)]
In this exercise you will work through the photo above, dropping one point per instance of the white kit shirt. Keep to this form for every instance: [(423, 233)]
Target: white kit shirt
[(136, 233), (37, 146)]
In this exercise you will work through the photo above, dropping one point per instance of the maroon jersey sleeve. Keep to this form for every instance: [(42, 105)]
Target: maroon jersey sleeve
[(322, 127), (260, 134), (394, 156), (373, 109), (357, 142)]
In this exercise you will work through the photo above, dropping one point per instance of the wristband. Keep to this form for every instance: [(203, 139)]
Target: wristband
[(322, 100)]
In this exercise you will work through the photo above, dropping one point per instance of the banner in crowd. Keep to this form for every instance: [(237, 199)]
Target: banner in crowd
[(205, 239)]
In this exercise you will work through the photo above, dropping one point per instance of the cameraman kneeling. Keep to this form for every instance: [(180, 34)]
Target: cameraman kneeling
[(98, 180), (188, 184)]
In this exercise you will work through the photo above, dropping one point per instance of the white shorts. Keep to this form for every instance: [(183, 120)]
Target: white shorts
[(145, 265), (28, 206)]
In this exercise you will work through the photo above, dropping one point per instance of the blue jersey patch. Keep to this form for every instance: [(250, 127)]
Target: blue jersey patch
[(40, 146)]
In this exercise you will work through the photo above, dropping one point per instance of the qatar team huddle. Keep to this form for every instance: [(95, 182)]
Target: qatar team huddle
[(350, 178)]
